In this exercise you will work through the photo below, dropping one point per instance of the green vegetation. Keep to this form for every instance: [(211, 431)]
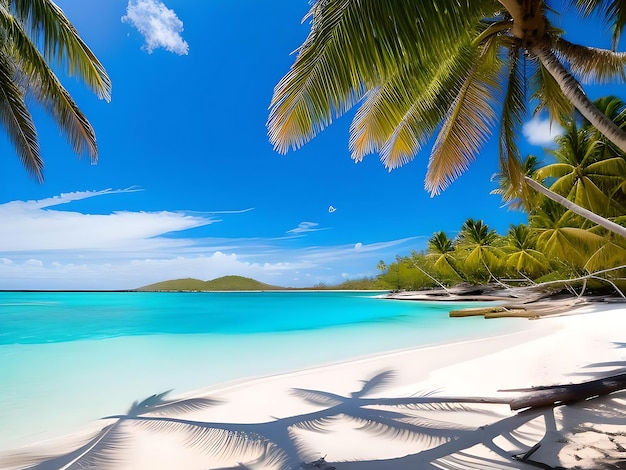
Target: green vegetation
[(454, 73), (366, 283), (226, 283), (503, 60), (557, 243), (26, 78)]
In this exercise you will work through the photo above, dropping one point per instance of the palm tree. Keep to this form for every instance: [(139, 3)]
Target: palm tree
[(441, 250), (478, 246), (522, 254), (581, 175), (25, 74), (615, 109), (562, 235), (445, 68)]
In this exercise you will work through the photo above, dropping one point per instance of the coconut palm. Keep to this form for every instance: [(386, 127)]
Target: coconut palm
[(441, 251), (445, 69), (581, 175), (25, 74), (615, 109), (563, 235), (522, 253), (477, 245)]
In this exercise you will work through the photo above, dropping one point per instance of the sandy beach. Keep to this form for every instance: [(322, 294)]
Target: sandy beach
[(439, 407)]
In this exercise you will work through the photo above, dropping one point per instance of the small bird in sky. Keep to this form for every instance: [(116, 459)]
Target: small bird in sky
[(331, 209)]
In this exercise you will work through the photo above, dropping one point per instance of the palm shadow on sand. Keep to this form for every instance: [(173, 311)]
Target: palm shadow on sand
[(427, 424)]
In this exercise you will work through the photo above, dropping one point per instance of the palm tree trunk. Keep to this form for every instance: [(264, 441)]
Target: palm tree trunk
[(587, 214), (574, 92)]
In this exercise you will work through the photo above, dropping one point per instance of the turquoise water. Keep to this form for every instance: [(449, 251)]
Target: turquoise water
[(67, 359), (33, 318)]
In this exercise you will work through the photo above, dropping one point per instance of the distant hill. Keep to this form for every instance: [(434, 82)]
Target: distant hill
[(225, 283)]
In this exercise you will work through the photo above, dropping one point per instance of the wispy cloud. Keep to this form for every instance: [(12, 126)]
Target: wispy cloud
[(159, 25), (541, 131), (46, 244), (36, 227), (304, 227)]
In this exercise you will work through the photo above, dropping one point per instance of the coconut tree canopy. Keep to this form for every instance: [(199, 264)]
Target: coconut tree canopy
[(447, 72)]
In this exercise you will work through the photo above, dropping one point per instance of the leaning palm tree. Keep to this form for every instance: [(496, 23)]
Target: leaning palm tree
[(35, 34), (449, 70)]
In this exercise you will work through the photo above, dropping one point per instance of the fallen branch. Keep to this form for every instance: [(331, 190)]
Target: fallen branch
[(563, 394)]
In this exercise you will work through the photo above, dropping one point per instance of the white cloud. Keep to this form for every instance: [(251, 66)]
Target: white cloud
[(304, 227), (44, 247), (159, 25), (35, 226), (541, 132)]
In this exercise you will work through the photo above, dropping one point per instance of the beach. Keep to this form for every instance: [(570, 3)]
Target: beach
[(441, 406)]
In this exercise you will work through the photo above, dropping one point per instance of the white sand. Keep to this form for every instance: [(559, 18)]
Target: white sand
[(350, 413)]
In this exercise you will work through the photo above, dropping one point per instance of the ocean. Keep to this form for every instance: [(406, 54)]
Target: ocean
[(69, 358)]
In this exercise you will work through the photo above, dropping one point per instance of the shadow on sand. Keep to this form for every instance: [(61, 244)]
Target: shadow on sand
[(425, 425)]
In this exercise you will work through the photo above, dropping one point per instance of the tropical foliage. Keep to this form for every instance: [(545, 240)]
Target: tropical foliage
[(556, 242), (36, 36), (453, 71)]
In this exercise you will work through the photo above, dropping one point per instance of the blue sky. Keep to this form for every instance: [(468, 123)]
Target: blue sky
[(187, 184)]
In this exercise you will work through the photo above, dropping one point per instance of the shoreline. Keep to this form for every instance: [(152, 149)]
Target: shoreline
[(351, 412)]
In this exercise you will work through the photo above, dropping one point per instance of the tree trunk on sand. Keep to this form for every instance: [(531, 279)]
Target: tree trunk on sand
[(564, 394), (593, 217)]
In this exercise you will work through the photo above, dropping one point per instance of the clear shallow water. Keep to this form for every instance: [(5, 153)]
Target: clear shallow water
[(33, 318), (69, 358)]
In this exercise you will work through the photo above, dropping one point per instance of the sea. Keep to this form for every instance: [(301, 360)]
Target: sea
[(69, 358)]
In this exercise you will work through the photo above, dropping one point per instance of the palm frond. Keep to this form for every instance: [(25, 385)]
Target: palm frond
[(39, 79), (17, 120), (429, 101), (554, 170), (354, 47), (513, 111), (608, 254), (592, 65), (612, 12), (446, 266), (464, 131), (548, 93), (381, 120), (569, 244), (527, 261), (47, 25)]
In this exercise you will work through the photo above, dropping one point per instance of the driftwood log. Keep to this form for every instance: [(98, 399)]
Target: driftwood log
[(538, 397)]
